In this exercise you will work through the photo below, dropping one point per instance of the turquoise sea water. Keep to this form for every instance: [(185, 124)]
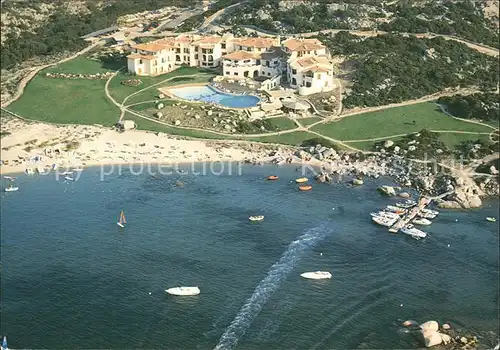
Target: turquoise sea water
[(207, 94), (70, 278)]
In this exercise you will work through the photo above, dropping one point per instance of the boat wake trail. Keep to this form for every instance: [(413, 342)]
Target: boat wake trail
[(277, 273)]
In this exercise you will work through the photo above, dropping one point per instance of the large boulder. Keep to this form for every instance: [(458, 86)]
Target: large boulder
[(431, 338), (388, 190), (404, 195), (428, 326), (388, 143)]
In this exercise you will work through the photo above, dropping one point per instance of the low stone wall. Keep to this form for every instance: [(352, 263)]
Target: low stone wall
[(97, 76)]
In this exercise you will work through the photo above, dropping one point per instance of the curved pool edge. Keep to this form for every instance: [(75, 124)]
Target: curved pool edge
[(167, 91)]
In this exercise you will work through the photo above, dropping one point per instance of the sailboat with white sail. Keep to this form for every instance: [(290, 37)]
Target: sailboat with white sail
[(122, 221)]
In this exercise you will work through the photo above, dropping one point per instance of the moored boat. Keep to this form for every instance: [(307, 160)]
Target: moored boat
[(406, 204), (316, 275), (384, 221), (305, 188), (272, 177), (256, 218), (11, 189), (385, 214), (396, 210), (491, 219), (413, 232), (10, 178), (4, 343), (301, 180), (429, 211), (422, 221), (426, 215), (185, 291)]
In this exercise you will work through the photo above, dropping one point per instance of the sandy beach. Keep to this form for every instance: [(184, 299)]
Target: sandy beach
[(34, 145)]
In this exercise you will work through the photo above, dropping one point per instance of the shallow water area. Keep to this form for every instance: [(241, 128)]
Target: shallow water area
[(71, 278)]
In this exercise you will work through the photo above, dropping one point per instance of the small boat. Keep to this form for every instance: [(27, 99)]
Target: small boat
[(406, 204), (10, 178), (316, 275), (491, 219), (256, 218), (69, 178), (422, 221), (384, 221), (11, 189), (385, 214), (4, 344), (30, 171), (122, 221), (396, 210), (67, 173), (78, 169), (40, 170), (426, 215), (183, 291), (305, 188), (429, 211), (413, 232), (273, 177), (301, 180)]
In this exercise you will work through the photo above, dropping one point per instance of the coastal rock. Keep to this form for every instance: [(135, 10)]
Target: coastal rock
[(209, 113), (409, 323), (396, 149), (388, 190), (227, 127), (412, 148), (160, 105), (432, 338), (446, 326), (445, 338), (357, 182), (388, 143), (493, 170), (159, 114), (197, 116), (177, 122), (429, 326)]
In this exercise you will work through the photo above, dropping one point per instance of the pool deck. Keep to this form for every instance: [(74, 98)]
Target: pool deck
[(167, 91)]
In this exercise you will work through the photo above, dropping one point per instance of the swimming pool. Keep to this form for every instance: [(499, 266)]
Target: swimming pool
[(207, 94)]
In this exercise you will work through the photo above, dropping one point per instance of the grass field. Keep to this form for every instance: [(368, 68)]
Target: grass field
[(80, 65), (282, 123), (395, 121), (309, 121), (119, 91), (294, 138), (66, 101)]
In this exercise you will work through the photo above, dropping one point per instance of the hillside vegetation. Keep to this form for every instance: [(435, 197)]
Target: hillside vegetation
[(393, 68), (62, 25), (467, 18), (477, 106)]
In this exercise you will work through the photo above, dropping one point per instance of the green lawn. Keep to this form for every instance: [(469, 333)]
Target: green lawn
[(66, 101), (309, 121), (80, 65), (120, 91), (282, 123), (394, 121), (453, 140)]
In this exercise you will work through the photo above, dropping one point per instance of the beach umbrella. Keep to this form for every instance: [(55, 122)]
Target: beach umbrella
[(294, 104)]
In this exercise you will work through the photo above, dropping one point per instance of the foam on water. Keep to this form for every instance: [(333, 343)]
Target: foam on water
[(277, 273)]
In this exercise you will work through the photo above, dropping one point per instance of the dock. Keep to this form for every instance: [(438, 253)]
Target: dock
[(405, 220)]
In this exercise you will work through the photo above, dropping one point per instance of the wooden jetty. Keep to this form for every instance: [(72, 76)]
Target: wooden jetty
[(422, 203)]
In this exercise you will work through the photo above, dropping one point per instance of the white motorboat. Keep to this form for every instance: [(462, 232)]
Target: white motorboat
[(422, 221), (69, 178), (316, 275), (384, 221), (40, 170), (396, 210), (78, 169), (256, 218), (67, 173), (11, 189), (426, 215), (406, 204), (30, 171), (429, 211), (183, 291), (10, 178), (385, 214), (413, 232)]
